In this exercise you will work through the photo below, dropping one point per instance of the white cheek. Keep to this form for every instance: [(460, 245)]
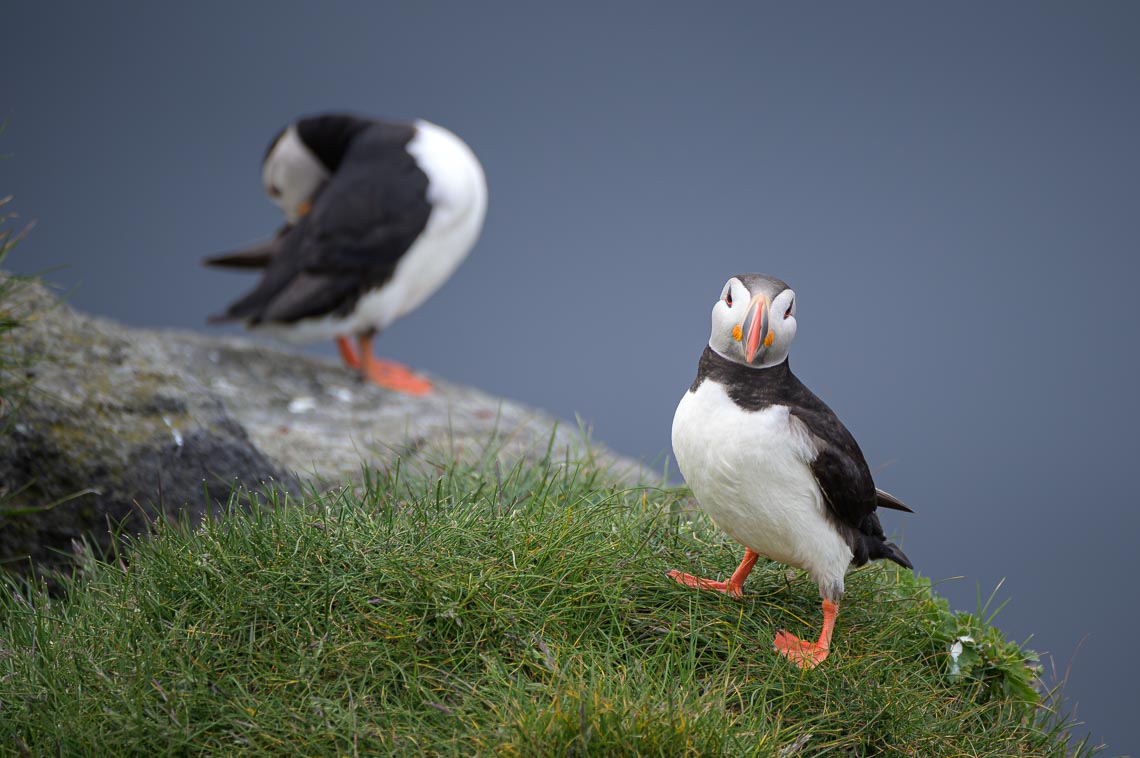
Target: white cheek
[(294, 171), (269, 178), (278, 199), (785, 335), (723, 322)]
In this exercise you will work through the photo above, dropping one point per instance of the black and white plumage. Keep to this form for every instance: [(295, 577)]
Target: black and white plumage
[(770, 462), (378, 216)]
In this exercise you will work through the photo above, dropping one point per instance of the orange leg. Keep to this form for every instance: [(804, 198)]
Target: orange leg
[(809, 654), (733, 587), (389, 374), (347, 352)]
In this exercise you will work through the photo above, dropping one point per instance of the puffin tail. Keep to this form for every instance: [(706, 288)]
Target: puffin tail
[(256, 256), (891, 552), (887, 500)]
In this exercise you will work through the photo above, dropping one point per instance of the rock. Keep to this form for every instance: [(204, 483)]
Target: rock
[(126, 425), (109, 436)]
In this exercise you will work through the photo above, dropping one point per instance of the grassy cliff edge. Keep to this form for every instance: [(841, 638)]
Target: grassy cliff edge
[(481, 611)]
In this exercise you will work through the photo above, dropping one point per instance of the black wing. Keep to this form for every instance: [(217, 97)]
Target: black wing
[(839, 467), (363, 220), (845, 480)]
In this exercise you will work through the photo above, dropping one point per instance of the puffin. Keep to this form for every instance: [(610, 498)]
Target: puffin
[(771, 463), (378, 215)]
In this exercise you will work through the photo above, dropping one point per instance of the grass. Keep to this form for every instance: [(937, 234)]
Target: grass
[(484, 612)]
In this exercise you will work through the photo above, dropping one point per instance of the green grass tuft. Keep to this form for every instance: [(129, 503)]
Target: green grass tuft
[(482, 612)]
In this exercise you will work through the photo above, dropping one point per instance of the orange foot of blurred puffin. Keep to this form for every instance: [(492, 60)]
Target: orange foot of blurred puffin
[(347, 352), (734, 587), (387, 374), (805, 654), (394, 376)]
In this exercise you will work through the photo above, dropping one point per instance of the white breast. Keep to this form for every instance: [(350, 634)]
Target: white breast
[(457, 191), (751, 472)]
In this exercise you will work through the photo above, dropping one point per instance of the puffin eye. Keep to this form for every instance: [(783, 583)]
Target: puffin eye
[(788, 312), (728, 298), (274, 191)]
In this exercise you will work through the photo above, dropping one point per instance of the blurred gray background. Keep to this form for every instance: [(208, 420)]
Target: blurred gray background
[(952, 191)]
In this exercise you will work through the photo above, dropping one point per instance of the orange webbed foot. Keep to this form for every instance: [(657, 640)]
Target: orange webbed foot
[(393, 376), (806, 655), (387, 374), (706, 584), (734, 587)]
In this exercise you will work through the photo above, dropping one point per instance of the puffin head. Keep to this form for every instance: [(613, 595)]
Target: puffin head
[(303, 156), (292, 173), (754, 321)]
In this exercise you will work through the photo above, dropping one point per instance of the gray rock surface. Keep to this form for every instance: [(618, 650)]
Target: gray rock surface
[(124, 425)]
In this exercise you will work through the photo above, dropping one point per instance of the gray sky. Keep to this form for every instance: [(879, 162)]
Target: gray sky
[(952, 192)]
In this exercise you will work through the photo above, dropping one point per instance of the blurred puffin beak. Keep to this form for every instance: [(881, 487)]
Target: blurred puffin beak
[(755, 327)]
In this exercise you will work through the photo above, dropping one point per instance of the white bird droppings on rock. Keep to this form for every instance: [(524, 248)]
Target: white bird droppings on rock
[(177, 435), (302, 404)]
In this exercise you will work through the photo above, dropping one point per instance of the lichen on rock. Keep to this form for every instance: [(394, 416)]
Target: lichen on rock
[(127, 425)]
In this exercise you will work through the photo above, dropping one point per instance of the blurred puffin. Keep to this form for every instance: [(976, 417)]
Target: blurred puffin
[(378, 215), (770, 463)]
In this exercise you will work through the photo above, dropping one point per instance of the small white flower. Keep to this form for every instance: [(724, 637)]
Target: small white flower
[(955, 651)]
